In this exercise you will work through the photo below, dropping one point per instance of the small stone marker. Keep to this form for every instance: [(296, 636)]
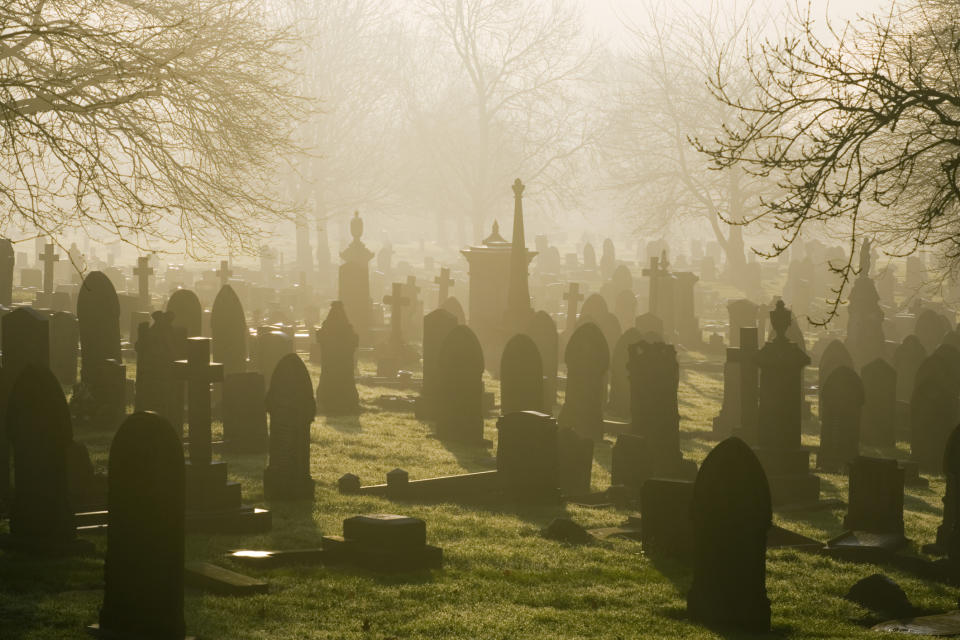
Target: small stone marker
[(875, 513), (383, 542)]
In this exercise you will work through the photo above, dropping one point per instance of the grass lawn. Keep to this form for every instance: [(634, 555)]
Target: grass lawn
[(500, 578)]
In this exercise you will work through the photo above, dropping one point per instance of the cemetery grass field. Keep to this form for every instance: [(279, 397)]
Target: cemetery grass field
[(500, 578)]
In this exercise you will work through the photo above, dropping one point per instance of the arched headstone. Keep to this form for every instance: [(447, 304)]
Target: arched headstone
[(98, 312), (337, 388), (841, 403), (907, 358), (933, 412), (244, 412), (731, 516), (543, 331), (272, 344), (187, 311), (879, 422), (460, 406), (930, 329), (292, 408), (521, 376), (452, 305), (437, 325), (619, 404), (228, 330), (143, 591), (587, 357)]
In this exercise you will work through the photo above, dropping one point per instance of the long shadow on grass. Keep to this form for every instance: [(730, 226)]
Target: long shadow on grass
[(344, 424)]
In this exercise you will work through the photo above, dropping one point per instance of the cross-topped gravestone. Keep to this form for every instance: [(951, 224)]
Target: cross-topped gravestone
[(224, 273), (49, 258), (396, 300), (199, 372), (445, 282), (573, 298), (413, 312), (143, 271)]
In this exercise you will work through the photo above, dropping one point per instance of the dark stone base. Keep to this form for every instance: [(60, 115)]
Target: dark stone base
[(209, 490), (279, 486), (862, 546), (342, 551), (105, 634), (46, 547)]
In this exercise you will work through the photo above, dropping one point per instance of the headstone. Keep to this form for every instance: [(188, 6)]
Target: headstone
[(731, 515), (527, 456), (7, 262), (64, 347), (907, 359), (667, 524), (143, 271), (878, 427), (98, 312), (729, 417), (619, 403), (625, 308), (587, 357), (865, 338), (841, 405), (143, 571), (155, 382), (337, 389), (876, 496), (452, 306), (930, 329), (199, 373), (244, 412), (742, 313), (575, 462), (48, 258), (573, 298), (948, 533), (292, 407), (272, 344), (521, 376), (650, 327), (228, 330), (460, 405), (933, 411), (187, 311), (437, 325), (543, 331), (748, 357)]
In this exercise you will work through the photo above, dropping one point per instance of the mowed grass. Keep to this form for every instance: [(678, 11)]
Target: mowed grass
[(500, 578)]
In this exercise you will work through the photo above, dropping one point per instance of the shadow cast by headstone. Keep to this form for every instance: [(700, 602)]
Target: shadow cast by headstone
[(343, 424), (680, 614), (472, 457), (915, 504), (677, 569)]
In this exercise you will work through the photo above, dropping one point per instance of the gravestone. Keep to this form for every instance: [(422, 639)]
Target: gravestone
[(543, 331), (460, 400), (729, 417), (780, 413), (272, 344), (452, 306), (98, 313), (841, 404), (337, 389), (521, 376), (7, 262), (527, 456), (394, 353), (907, 359), (64, 347), (38, 427), (143, 271), (573, 298), (930, 329), (444, 282), (654, 411), (865, 338), (244, 412), (876, 496), (748, 357), (292, 407), (948, 533), (625, 308), (650, 327), (228, 330), (933, 412), (187, 311), (354, 281), (48, 258), (575, 462), (437, 325), (731, 516), (835, 355), (742, 313), (619, 402), (878, 427), (143, 571), (587, 357), (589, 257), (667, 528), (156, 349)]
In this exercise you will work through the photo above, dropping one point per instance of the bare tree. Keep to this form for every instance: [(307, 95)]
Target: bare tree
[(858, 125), (518, 69), (662, 100), (155, 122)]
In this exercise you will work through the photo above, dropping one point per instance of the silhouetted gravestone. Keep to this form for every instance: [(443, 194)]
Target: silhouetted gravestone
[(573, 297), (748, 356), (865, 338), (521, 376), (437, 325), (228, 330), (292, 407), (272, 344), (619, 403), (155, 355), (574, 462), (780, 413), (354, 280), (731, 515), (543, 331), (930, 329), (875, 496), (245, 412), (587, 358), (729, 416), (743, 314), (7, 260), (64, 347), (337, 390), (460, 402), (98, 312), (907, 358), (841, 401), (394, 353), (933, 412), (627, 459), (649, 326), (187, 311), (143, 571), (665, 511), (948, 533), (589, 257), (878, 426), (199, 373), (40, 433), (625, 308), (654, 412), (594, 307), (835, 355), (452, 306), (527, 456)]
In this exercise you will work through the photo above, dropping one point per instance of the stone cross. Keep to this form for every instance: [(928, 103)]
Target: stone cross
[(445, 282), (412, 289), (658, 267), (224, 272), (48, 257), (396, 301), (573, 298), (199, 372), (143, 271)]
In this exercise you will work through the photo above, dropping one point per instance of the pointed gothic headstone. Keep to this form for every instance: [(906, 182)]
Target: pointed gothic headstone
[(292, 407), (337, 389)]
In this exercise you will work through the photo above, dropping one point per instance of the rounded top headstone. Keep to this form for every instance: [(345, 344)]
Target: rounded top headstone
[(587, 348)]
